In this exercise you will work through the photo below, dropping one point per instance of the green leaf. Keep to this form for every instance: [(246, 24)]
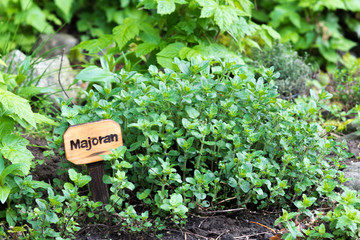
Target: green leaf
[(14, 149), (344, 221), (308, 201), (352, 5), (39, 118), (2, 63), (8, 170), (37, 19), (165, 6), (4, 193), (6, 126), (245, 186), (73, 175), (192, 112), (125, 164), (16, 107), (145, 48), (274, 34), (165, 207), (166, 56), (2, 164), (232, 182), (126, 31), (329, 54), (65, 7), (176, 199), (96, 45), (40, 184), (96, 74), (42, 204), (342, 44), (51, 217), (209, 8), (83, 180), (322, 229), (143, 194), (11, 217), (225, 16), (28, 92)]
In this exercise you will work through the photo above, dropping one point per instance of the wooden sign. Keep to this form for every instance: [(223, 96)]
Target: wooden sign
[(85, 142)]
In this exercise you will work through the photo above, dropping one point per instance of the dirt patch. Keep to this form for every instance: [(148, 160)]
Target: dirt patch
[(240, 225), (47, 170)]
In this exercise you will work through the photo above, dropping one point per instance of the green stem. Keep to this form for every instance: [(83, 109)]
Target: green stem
[(184, 168), (199, 158)]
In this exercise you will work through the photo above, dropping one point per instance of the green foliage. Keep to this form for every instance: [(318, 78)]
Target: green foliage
[(21, 21), (164, 30), (343, 218), (203, 133), (346, 82), (51, 215), (294, 71), (15, 158), (316, 26)]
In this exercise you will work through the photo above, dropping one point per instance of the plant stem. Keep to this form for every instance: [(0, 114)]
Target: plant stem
[(199, 158), (184, 168)]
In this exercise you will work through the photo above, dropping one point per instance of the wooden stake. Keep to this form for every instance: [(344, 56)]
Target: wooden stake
[(98, 188)]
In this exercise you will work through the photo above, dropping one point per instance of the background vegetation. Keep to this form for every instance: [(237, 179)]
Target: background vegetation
[(217, 100)]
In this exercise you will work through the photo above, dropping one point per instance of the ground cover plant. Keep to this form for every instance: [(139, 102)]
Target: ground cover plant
[(199, 135)]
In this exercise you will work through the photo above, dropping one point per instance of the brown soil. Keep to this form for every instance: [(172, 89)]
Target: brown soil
[(239, 225), (47, 171)]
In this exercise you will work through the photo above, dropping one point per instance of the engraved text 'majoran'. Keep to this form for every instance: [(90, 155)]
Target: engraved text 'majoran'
[(88, 143)]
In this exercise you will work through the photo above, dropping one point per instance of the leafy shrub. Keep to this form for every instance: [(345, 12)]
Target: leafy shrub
[(163, 30), (318, 27), (294, 71), (22, 20), (346, 82), (206, 132), (15, 158)]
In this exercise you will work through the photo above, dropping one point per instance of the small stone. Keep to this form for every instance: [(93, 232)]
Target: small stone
[(13, 60), (50, 70), (54, 44), (47, 70), (353, 172)]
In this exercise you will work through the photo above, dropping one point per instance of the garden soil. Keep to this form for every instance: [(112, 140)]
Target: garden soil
[(238, 224)]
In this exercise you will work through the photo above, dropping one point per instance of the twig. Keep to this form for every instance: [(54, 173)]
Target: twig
[(220, 235), (61, 60), (221, 211), (225, 200), (263, 226), (196, 235), (202, 222), (91, 226), (335, 135), (252, 235)]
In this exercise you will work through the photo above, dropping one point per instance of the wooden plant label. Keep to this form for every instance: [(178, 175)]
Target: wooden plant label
[(85, 142)]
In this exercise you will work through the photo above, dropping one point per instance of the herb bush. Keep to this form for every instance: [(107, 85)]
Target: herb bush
[(202, 133), (295, 73)]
